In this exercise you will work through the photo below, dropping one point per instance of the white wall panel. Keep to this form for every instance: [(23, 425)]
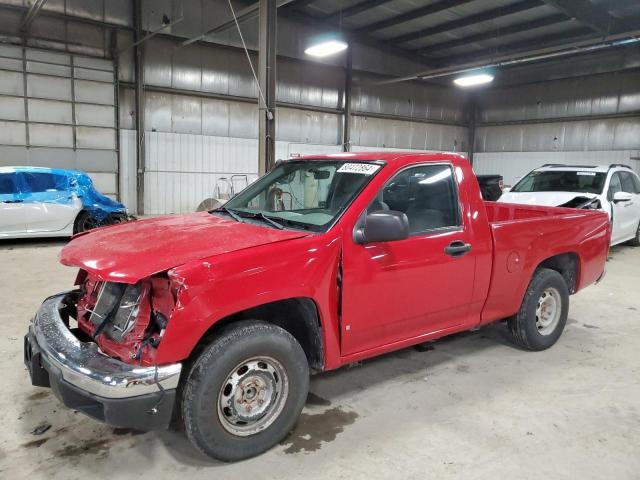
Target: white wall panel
[(12, 133), (285, 150), (513, 165), (50, 135), (11, 83), (184, 169), (12, 108), (127, 173), (50, 111)]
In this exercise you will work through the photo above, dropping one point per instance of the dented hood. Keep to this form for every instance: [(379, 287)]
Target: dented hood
[(547, 199), (132, 251)]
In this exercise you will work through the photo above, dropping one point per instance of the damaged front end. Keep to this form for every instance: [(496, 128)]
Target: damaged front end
[(95, 347), (127, 321), (584, 203)]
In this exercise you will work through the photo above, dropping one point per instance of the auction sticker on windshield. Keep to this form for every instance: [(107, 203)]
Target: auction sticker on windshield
[(587, 174), (362, 168)]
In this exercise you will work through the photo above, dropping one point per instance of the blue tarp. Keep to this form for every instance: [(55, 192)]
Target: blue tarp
[(52, 185)]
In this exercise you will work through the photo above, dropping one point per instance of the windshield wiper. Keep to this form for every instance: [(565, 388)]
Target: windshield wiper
[(231, 213), (262, 216)]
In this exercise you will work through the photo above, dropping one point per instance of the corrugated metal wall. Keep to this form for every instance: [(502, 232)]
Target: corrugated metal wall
[(202, 121), (587, 120), (58, 110)]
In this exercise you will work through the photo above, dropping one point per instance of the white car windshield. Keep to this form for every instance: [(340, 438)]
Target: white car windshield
[(307, 194), (561, 181)]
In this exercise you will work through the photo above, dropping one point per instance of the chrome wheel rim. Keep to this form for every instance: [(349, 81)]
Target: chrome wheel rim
[(253, 396), (548, 311)]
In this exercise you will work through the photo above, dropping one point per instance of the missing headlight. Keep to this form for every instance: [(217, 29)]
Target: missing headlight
[(116, 309)]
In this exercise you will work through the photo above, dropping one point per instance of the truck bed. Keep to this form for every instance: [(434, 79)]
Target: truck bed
[(504, 212), (526, 235)]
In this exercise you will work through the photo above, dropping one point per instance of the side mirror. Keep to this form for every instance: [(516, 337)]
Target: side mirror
[(506, 189), (622, 197), (382, 226)]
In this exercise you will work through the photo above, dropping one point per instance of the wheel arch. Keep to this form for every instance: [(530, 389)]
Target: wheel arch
[(298, 315), (566, 264)]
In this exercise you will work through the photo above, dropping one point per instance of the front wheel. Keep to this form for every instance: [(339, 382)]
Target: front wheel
[(543, 313), (635, 241), (245, 392)]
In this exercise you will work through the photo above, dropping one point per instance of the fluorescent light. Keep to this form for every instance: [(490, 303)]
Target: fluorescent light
[(475, 79), (326, 48)]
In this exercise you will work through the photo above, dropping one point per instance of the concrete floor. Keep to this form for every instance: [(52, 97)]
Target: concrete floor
[(472, 407)]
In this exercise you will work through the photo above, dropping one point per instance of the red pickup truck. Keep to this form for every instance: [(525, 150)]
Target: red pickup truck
[(219, 317)]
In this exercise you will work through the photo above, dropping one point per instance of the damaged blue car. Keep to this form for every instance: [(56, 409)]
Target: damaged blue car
[(48, 202)]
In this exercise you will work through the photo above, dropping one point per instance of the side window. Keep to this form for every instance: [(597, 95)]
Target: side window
[(636, 182), (37, 182), (426, 194), (8, 184), (614, 186), (627, 183)]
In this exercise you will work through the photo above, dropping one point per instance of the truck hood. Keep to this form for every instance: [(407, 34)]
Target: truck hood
[(547, 199), (131, 251)]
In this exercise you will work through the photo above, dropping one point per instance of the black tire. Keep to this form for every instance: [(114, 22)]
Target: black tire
[(84, 221), (526, 327), (209, 379), (635, 241)]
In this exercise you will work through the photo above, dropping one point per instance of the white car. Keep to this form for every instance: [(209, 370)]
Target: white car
[(614, 189), (48, 202)]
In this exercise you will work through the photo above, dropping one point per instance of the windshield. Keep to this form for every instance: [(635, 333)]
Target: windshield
[(561, 181), (308, 194)]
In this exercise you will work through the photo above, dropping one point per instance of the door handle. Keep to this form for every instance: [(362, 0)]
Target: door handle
[(457, 248)]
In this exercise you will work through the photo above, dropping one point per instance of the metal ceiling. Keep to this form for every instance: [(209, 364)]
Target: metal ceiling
[(446, 33)]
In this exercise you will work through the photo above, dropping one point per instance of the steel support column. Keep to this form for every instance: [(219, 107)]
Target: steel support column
[(471, 138), (138, 55), (346, 126), (267, 83)]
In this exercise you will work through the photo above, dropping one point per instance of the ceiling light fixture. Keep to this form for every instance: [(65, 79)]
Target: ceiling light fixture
[(473, 80), (326, 48)]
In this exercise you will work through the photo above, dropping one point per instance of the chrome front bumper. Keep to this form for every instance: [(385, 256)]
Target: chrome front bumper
[(82, 365)]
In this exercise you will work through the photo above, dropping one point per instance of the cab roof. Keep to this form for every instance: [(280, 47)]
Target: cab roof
[(385, 156)]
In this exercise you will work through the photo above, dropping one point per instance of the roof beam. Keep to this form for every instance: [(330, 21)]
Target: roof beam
[(566, 47), (351, 35), (355, 9), (242, 15), (34, 9), (594, 16), (413, 14), (522, 47), (497, 33), (469, 20)]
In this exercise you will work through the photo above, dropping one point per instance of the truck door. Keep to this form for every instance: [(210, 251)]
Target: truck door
[(393, 291), (11, 206)]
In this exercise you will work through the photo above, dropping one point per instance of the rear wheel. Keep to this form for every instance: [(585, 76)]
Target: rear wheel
[(245, 391), (84, 221), (543, 313)]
